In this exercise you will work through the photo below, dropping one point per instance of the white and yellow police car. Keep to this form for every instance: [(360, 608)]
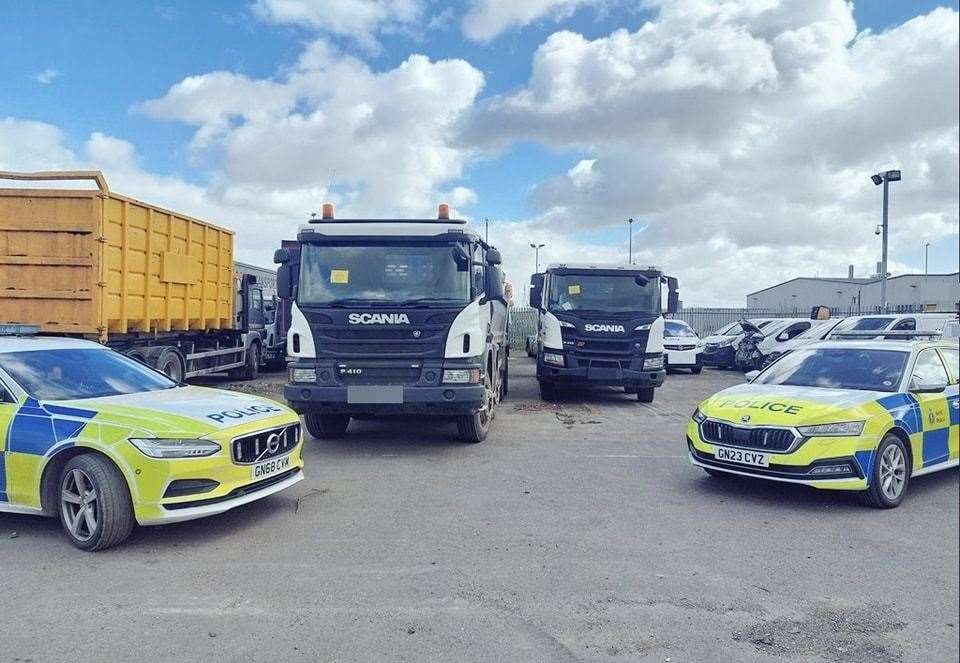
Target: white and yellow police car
[(848, 415), (103, 442)]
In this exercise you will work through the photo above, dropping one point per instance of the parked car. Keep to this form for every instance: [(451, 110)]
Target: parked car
[(819, 330), (682, 346), (720, 348), (859, 326), (756, 346)]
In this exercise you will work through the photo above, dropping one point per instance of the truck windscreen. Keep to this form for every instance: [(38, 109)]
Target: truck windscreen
[(604, 294), (363, 273)]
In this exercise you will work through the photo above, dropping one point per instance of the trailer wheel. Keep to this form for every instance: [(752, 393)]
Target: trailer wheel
[(326, 426), (251, 369), (645, 394), (171, 363)]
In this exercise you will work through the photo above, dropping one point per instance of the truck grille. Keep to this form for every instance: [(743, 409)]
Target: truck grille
[(769, 439), (265, 444), (387, 375)]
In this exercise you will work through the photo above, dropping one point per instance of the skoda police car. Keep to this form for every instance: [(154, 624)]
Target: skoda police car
[(849, 415), (102, 442)]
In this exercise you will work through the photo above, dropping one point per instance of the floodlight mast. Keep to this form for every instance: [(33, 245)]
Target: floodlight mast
[(885, 178)]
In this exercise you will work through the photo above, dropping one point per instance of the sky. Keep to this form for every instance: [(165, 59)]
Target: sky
[(740, 135)]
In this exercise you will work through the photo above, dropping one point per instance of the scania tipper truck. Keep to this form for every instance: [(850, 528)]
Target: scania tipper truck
[(394, 317), (602, 325)]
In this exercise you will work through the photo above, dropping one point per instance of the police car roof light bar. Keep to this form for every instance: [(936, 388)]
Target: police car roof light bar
[(19, 330)]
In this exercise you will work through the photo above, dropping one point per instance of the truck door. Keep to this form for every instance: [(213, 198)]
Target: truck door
[(256, 316)]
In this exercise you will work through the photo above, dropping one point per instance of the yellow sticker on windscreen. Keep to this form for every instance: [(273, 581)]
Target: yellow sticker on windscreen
[(339, 276), (573, 289)]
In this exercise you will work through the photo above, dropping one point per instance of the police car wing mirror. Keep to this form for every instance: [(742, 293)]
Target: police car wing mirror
[(461, 257), (751, 375), (927, 387)]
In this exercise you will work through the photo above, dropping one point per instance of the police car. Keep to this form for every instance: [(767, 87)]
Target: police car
[(849, 415), (103, 442)]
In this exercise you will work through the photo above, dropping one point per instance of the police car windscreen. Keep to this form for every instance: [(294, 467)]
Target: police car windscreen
[(400, 272), (838, 368), (603, 294), (69, 374)]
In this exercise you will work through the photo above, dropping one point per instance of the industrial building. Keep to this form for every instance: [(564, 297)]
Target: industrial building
[(906, 292)]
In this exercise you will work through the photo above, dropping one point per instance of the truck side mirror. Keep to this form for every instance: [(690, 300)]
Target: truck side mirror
[(493, 284), (285, 280), (536, 291), (281, 256), (673, 295), (493, 257)]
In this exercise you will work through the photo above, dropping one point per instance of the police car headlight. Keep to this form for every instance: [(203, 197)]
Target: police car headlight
[(167, 448), (462, 376), (568, 325), (839, 429), (699, 416), (553, 358)]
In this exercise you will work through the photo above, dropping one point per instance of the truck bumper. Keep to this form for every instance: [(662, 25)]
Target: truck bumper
[(443, 400), (619, 377)]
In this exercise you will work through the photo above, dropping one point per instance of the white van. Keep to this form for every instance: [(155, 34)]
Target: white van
[(681, 346)]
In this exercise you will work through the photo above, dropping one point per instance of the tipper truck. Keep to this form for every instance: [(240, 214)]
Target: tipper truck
[(154, 284), (603, 325), (394, 317)]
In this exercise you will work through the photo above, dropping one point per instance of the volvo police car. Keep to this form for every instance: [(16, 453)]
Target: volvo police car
[(103, 442), (849, 415)]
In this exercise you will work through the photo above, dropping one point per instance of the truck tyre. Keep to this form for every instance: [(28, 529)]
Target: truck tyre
[(696, 369), (251, 370), (645, 394), (94, 503), (506, 377), (326, 426), (548, 391), (889, 475), (170, 362), (629, 389), (473, 428)]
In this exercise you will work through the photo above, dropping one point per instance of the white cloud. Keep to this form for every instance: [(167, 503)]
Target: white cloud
[(743, 133), (47, 76), (360, 20), (487, 19)]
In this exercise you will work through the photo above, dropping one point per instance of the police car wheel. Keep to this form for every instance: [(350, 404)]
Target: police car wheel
[(645, 394), (326, 426), (94, 503), (890, 474)]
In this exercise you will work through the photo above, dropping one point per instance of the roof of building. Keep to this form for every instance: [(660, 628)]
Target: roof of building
[(854, 281)]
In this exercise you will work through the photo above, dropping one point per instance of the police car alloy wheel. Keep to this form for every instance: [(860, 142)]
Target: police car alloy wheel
[(94, 503), (890, 476)]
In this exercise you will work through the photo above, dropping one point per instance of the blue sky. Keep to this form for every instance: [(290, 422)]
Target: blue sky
[(104, 58)]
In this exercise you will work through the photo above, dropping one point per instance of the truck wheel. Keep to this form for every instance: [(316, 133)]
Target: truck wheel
[(95, 508), (326, 426), (548, 391), (696, 369), (251, 370), (473, 428), (629, 389), (505, 379), (889, 476), (645, 394), (170, 363)]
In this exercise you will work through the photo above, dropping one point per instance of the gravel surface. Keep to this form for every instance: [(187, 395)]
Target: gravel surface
[(578, 531)]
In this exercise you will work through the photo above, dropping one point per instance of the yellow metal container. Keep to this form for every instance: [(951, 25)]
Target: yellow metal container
[(95, 263)]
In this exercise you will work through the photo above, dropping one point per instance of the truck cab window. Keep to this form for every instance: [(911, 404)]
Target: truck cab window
[(478, 267)]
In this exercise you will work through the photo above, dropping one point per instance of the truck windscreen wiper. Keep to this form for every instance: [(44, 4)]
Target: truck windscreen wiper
[(421, 301), (354, 301)]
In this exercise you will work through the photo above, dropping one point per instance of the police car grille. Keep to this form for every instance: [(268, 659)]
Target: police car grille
[(255, 448), (770, 439)]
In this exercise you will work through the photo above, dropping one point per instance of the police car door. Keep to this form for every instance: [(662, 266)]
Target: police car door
[(929, 372), (8, 408), (951, 357)]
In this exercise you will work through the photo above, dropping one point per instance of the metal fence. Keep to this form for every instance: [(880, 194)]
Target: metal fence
[(703, 320)]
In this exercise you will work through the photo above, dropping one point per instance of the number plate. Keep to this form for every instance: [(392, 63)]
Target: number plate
[(270, 467), (742, 456)]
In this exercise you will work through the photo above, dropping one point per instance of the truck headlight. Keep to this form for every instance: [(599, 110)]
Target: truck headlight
[(645, 327), (568, 325), (653, 363), (461, 376), (174, 448), (839, 429), (554, 358), (303, 375)]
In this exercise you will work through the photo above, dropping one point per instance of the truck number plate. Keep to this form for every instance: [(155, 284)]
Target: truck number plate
[(743, 457)]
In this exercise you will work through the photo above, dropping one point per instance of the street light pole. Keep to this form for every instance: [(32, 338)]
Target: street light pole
[(885, 178), (536, 252), (926, 258), (630, 250)]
